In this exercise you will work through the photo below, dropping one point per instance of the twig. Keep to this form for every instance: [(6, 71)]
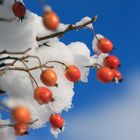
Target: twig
[(2, 92), (4, 109), (96, 66), (56, 62), (1, 2), (12, 63), (8, 57), (70, 28), (12, 125), (6, 19), (15, 53), (40, 63), (33, 121), (22, 61), (25, 70), (6, 125), (30, 75)]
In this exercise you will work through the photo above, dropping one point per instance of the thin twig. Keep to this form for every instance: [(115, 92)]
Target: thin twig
[(56, 62), (70, 28), (30, 75), (2, 92), (33, 121), (24, 69), (22, 61), (12, 63), (96, 66), (8, 57), (15, 53), (6, 125), (4, 109), (36, 57), (12, 125), (6, 19)]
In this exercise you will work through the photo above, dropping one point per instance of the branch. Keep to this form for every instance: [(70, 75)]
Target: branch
[(8, 57), (31, 123), (2, 92), (12, 125), (7, 65), (15, 53), (3, 108), (26, 70), (70, 28), (12, 63), (6, 19), (1, 2)]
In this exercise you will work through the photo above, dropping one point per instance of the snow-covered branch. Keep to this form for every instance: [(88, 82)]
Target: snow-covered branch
[(69, 28)]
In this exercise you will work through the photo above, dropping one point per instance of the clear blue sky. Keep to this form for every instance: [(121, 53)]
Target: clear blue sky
[(119, 21)]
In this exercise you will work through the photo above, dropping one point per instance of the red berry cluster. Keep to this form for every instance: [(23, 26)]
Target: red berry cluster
[(49, 78), (43, 95), (22, 117), (109, 72)]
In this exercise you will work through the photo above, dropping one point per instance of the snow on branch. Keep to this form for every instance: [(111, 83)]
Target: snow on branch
[(69, 28)]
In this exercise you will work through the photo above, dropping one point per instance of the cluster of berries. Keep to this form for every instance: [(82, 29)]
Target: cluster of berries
[(109, 72)]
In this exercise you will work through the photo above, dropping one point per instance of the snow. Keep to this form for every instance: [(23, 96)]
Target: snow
[(6, 133), (19, 36), (84, 20), (55, 132), (95, 43)]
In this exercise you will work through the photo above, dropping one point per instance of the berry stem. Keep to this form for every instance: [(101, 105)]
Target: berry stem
[(31, 123), (57, 62), (3, 108), (96, 66), (36, 57)]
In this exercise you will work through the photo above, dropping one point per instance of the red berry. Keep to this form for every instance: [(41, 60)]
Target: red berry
[(105, 75), (105, 45), (117, 74), (49, 77), (20, 129), (56, 121), (112, 62), (43, 95), (21, 114), (72, 73), (51, 20), (19, 9)]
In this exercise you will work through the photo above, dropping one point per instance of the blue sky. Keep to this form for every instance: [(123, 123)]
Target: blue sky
[(119, 21)]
